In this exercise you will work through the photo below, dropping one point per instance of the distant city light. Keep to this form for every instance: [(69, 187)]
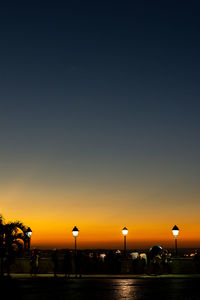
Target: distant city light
[(102, 256)]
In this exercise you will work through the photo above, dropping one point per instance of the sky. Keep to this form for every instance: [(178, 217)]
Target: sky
[(99, 121)]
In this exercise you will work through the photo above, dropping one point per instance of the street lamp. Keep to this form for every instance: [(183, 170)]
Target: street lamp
[(28, 234), (125, 232), (175, 231), (75, 234)]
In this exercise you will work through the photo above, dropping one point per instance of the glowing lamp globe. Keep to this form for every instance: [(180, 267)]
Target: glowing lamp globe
[(175, 231), (75, 231), (29, 232), (125, 231)]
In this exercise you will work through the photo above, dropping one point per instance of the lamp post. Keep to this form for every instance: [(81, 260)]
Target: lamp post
[(175, 231), (125, 232), (75, 234), (28, 234)]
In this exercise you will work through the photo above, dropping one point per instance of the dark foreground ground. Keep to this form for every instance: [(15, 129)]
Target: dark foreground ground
[(99, 289)]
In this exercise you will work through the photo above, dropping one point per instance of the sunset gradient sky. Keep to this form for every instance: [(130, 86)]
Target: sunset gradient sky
[(99, 121)]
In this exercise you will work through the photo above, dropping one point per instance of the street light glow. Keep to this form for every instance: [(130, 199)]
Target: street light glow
[(175, 231), (29, 232), (75, 231), (125, 231)]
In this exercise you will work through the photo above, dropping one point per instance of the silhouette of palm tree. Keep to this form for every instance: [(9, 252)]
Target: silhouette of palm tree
[(12, 236)]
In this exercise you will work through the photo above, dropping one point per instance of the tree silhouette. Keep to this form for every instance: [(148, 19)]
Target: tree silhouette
[(12, 237)]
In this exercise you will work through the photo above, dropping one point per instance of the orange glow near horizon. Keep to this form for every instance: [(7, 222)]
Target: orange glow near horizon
[(112, 238), (100, 217)]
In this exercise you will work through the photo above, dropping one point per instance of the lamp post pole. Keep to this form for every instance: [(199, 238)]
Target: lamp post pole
[(75, 232), (125, 244), (125, 232), (176, 248), (175, 231), (28, 236), (75, 243)]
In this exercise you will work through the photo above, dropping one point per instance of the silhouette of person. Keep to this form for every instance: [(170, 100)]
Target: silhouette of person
[(143, 262), (78, 263), (164, 262), (8, 259), (156, 264), (67, 264), (55, 262), (196, 260), (34, 262), (154, 260), (109, 260)]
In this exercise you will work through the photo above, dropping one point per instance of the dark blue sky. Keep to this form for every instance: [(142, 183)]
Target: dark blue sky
[(113, 85), (99, 119)]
